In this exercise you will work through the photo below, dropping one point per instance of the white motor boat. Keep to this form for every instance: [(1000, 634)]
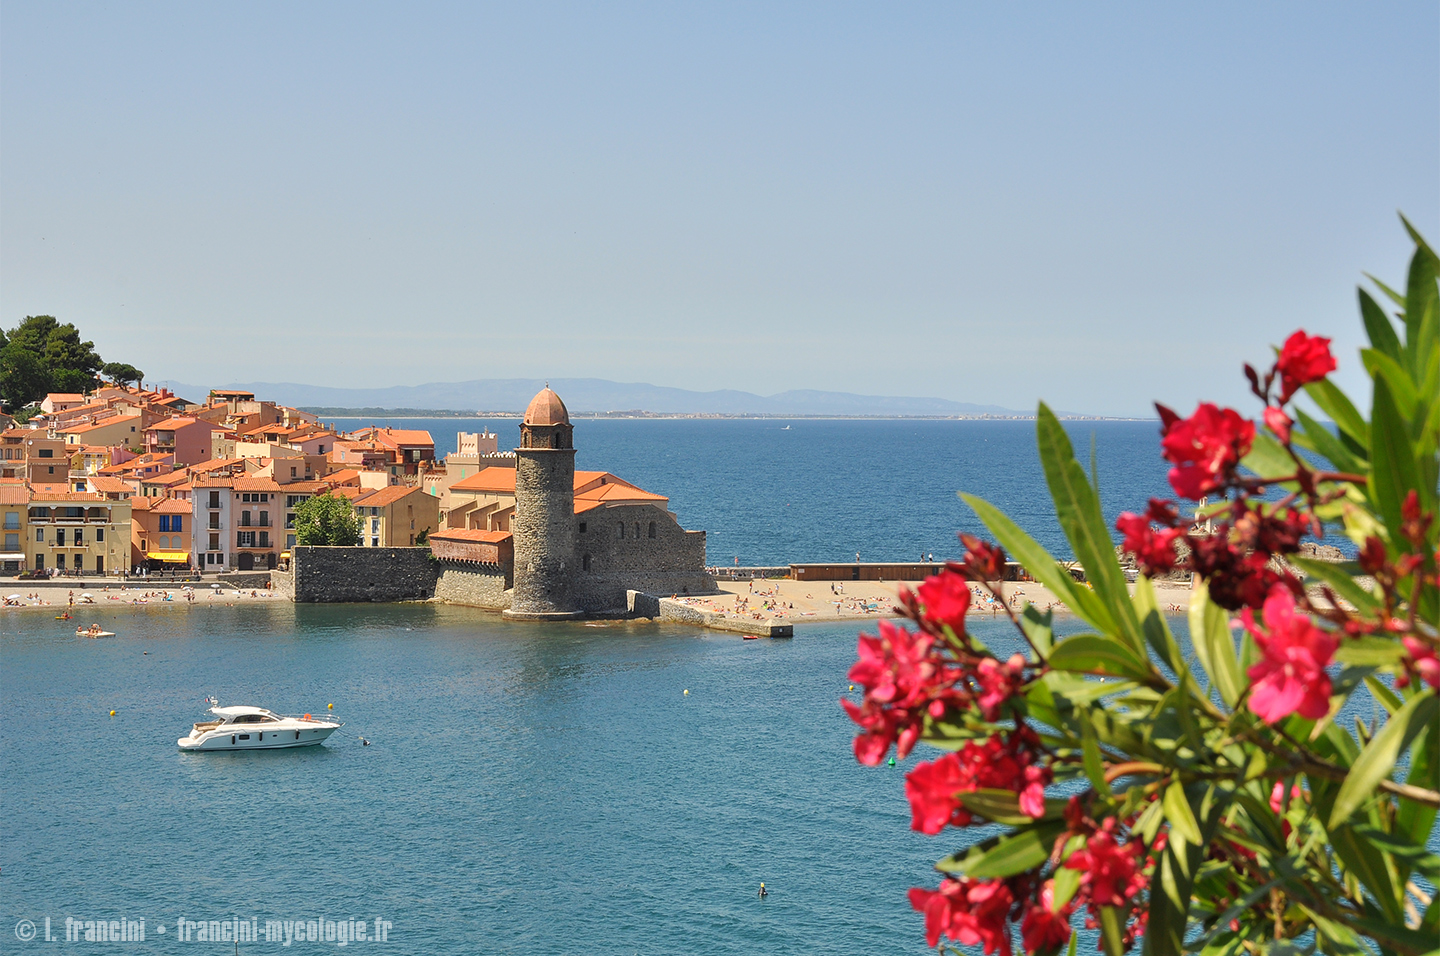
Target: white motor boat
[(254, 728)]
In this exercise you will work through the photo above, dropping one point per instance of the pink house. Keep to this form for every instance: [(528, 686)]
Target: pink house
[(188, 439)]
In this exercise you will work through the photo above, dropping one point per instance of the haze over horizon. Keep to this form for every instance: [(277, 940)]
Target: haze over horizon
[(1094, 206)]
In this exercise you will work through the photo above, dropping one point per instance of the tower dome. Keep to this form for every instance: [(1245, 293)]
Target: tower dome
[(546, 409)]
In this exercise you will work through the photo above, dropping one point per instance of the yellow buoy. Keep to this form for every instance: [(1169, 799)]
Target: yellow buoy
[(112, 713), (331, 706), (687, 692), (852, 686)]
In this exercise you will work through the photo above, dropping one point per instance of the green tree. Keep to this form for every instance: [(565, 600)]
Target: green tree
[(326, 520), (122, 373), (23, 376)]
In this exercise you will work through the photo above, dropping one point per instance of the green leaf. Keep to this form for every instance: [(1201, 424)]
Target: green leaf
[(1098, 654), (1067, 881), (1111, 931), (1090, 751), (1181, 816), (1378, 327), (1364, 862), (1402, 387), (1324, 442), (1378, 758), (1418, 857), (1387, 697), (1369, 651), (1039, 627), (1040, 564), (1392, 461), (1340, 577), (1395, 936), (1077, 506), (1329, 399), (1415, 819), (1154, 626), (1419, 291), (1016, 853), (1214, 646), (1268, 459), (1003, 807)]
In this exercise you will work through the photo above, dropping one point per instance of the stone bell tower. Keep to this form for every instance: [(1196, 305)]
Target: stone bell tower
[(544, 524)]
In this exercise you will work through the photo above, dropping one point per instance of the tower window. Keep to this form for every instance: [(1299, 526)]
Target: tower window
[(652, 529), (622, 530), (585, 562), (582, 527)]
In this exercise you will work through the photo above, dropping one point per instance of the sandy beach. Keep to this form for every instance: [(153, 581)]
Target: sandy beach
[(60, 599), (808, 602)]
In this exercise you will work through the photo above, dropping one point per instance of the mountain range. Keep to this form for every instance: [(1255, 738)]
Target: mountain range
[(597, 396)]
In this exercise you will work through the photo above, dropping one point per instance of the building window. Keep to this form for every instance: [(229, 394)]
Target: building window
[(214, 542), (99, 535), (582, 527), (144, 545), (40, 535), (585, 562), (652, 529), (622, 531)]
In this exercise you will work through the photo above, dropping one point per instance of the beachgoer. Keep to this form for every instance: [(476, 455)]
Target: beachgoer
[(763, 891)]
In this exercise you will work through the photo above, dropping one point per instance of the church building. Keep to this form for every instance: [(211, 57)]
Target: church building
[(569, 544)]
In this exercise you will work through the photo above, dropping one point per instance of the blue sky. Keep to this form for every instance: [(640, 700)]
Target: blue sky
[(1094, 204)]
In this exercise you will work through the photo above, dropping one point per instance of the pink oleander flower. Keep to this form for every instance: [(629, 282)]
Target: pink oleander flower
[(1107, 869), (934, 788), (998, 683), (1278, 422), (1154, 550), (903, 680), (1291, 677), (1043, 926), (1204, 448), (1422, 659), (1303, 359), (970, 912), (945, 598)]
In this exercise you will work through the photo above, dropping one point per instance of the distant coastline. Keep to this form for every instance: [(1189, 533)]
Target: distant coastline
[(373, 412)]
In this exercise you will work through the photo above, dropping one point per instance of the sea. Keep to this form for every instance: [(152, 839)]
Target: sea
[(611, 788)]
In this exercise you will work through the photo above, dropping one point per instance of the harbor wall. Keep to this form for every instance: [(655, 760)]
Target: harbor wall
[(473, 585), (321, 575)]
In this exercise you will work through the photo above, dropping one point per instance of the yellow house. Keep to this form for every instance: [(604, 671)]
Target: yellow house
[(76, 531), (394, 517)]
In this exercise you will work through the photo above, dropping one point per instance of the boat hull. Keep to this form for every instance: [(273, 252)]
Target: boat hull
[(264, 740)]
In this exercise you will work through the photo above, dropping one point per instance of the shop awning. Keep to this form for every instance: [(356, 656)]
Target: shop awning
[(172, 556), (16, 556)]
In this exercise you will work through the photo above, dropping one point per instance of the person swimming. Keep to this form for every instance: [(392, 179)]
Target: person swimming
[(763, 892)]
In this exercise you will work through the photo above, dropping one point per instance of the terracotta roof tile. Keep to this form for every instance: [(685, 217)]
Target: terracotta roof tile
[(470, 534)]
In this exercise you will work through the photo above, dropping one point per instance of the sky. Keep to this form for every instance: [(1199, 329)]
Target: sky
[(1098, 205)]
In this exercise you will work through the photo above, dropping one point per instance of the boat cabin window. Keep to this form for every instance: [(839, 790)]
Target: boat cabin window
[(253, 719)]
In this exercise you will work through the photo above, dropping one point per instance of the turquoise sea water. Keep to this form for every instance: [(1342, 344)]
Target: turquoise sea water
[(528, 789)]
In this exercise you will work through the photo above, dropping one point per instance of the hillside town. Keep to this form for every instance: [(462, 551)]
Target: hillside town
[(125, 480)]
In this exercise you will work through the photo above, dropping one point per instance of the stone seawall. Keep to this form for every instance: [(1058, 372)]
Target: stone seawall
[(473, 585), (665, 610), (324, 575)]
